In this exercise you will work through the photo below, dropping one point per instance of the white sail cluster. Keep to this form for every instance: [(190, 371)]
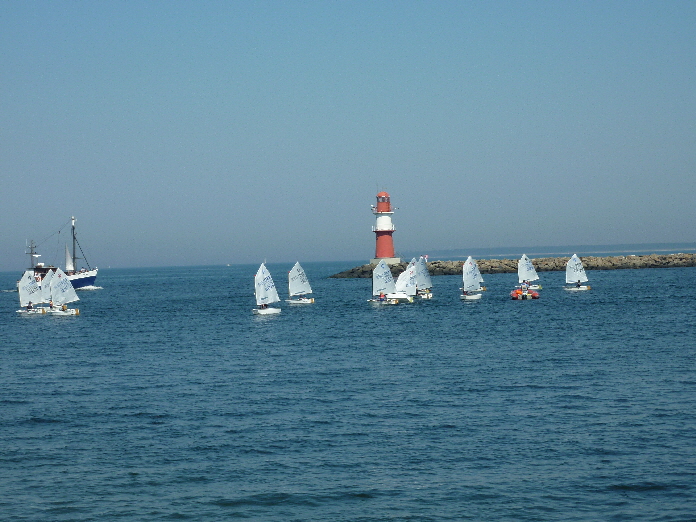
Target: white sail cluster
[(55, 288)]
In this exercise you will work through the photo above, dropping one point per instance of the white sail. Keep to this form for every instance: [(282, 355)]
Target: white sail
[(526, 270), (69, 267), (298, 284), (266, 292), (46, 286), (382, 280), (423, 280), (62, 290), (406, 282), (29, 289), (575, 271), (471, 276)]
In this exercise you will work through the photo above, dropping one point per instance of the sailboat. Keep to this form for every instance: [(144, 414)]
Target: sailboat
[(298, 285), (78, 278), (471, 280), (29, 294), (405, 286), (265, 291), (423, 282), (527, 272), (382, 285), (61, 292), (575, 274)]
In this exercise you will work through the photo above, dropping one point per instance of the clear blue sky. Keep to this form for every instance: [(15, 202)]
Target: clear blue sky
[(211, 132)]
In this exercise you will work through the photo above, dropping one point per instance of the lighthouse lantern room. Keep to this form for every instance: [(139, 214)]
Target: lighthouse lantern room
[(383, 229)]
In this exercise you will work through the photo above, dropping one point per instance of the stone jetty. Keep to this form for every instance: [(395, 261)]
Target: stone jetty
[(542, 264)]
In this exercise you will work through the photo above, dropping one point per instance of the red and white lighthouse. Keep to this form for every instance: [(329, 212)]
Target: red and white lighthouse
[(383, 229)]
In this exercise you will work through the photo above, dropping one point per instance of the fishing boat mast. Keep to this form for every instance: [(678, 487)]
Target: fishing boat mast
[(74, 241), (32, 253)]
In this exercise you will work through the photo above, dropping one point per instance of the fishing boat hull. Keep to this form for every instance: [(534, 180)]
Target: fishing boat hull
[(78, 280), (577, 288), (470, 297), (304, 300), (519, 295), (82, 279), (266, 311)]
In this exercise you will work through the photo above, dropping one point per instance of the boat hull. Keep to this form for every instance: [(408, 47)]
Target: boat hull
[(306, 300), (470, 297), (383, 301), (532, 287), (400, 296), (577, 288), (266, 311), (518, 295), (34, 311), (69, 311), (82, 279)]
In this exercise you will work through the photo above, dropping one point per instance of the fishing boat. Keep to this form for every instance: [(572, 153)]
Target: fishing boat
[(78, 278), (471, 281), (424, 284), (405, 286), (298, 286), (266, 292), (527, 273), (575, 275), (382, 285)]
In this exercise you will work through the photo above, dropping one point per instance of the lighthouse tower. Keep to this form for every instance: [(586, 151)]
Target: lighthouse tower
[(383, 229)]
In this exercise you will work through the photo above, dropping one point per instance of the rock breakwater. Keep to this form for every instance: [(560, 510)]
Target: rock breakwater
[(542, 264)]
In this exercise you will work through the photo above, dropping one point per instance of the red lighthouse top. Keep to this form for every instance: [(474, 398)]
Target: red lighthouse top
[(383, 204)]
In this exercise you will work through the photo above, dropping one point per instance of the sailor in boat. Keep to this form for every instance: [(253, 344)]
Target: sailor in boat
[(525, 286), (578, 284), (50, 304), (64, 307), (30, 306), (382, 297)]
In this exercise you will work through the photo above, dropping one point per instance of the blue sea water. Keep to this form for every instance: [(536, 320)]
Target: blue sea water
[(166, 399)]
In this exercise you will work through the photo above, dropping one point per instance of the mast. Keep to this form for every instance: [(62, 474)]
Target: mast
[(74, 252), (32, 253)]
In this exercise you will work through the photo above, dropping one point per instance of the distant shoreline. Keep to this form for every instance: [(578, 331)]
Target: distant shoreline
[(542, 264)]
